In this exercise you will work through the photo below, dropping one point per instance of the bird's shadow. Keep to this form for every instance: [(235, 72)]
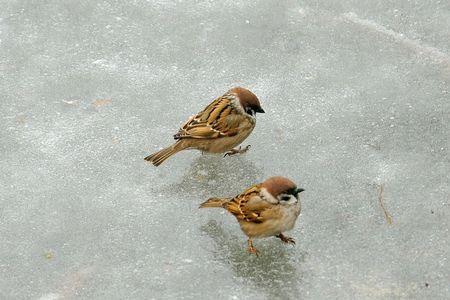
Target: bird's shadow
[(217, 176), (273, 272)]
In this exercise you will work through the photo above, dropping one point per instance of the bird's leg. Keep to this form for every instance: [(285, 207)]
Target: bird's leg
[(240, 150), (251, 248), (286, 239)]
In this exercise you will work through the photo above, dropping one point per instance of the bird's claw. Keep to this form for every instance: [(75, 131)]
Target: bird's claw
[(251, 248), (286, 239), (240, 150)]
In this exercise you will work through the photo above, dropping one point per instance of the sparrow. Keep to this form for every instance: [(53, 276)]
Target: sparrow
[(222, 125), (266, 209)]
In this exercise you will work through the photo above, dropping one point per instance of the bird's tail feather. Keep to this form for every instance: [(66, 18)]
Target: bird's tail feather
[(215, 202), (160, 156)]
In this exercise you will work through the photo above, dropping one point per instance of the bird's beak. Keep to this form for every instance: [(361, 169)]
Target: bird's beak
[(260, 110), (299, 190)]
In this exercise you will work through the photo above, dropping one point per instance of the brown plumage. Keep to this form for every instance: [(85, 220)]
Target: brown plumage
[(265, 209), (221, 126)]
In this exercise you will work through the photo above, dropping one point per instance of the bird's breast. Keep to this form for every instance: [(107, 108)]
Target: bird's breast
[(276, 221)]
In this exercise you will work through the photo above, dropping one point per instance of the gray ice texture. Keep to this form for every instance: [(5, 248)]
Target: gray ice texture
[(357, 101)]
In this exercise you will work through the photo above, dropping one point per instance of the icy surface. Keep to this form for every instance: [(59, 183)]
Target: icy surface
[(357, 96)]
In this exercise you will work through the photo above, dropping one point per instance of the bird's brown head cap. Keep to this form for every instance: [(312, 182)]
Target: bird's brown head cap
[(280, 185), (248, 100)]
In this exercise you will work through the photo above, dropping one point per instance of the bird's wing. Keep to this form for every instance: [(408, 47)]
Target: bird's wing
[(249, 206), (219, 119)]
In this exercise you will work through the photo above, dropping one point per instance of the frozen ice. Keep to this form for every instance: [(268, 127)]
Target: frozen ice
[(357, 101)]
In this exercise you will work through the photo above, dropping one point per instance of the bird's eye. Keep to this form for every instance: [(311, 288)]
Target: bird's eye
[(249, 111), (285, 198)]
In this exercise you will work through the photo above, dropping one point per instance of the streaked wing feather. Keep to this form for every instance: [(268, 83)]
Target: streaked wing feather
[(215, 121), (249, 206)]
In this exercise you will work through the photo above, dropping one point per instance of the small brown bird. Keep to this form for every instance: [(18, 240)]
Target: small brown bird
[(221, 126), (266, 209)]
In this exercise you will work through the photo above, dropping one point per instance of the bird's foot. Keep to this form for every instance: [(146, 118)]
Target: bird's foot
[(286, 239), (240, 150), (251, 248)]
